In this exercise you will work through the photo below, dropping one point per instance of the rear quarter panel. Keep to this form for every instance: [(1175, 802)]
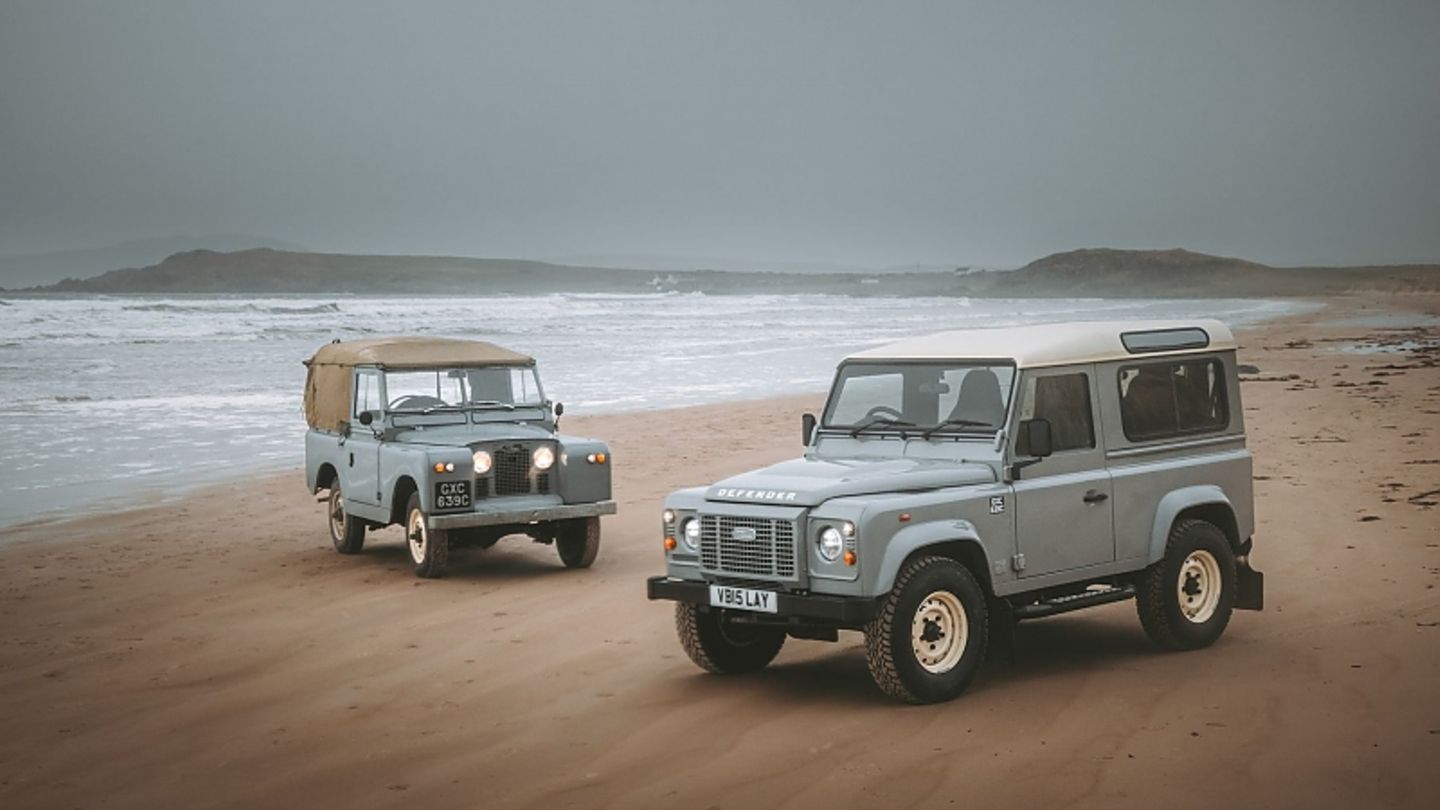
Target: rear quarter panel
[(1155, 480)]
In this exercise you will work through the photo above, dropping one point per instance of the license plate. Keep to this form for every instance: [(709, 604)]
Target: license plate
[(452, 495), (725, 596)]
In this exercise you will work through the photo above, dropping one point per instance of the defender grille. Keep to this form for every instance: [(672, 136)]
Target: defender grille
[(512, 471), (770, 554), (513, 474)]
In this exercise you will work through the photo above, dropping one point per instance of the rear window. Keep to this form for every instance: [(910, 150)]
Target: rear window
[(1176, 398)]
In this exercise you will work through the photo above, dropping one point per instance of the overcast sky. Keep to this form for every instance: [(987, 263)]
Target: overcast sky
[(865, 134)]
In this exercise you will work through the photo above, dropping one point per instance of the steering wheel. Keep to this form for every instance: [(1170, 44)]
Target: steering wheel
[(882, 410), (413, 402)]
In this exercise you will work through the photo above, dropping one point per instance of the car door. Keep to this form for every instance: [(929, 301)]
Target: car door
[(361, 479), (1063, 506)]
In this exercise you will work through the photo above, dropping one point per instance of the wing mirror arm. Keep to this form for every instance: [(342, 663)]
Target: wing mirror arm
[(807, 429), (1036, 442)]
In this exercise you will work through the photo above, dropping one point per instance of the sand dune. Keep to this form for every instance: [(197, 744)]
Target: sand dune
[(216, 652)]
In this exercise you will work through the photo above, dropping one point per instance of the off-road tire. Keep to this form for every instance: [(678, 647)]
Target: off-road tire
[(347, 532), (725, 648), (889, 650), (1157, 599), (578, 541), (433, 553)]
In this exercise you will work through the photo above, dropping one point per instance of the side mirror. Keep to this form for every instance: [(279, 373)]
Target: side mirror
[(1035, 438), (807, 428), (559, 409), (366, 417)]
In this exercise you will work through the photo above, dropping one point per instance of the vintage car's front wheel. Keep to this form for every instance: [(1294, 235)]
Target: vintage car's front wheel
[(429, 548), (1185, 600), (578, 541), (346, 532), (927, 640), (717, 644)]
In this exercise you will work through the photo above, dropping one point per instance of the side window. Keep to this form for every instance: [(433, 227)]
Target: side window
[(367, 392), (1064, 401), (1177, 398)]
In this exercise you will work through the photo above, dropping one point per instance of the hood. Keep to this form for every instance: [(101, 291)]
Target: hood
[(467, 435), (810, 482)]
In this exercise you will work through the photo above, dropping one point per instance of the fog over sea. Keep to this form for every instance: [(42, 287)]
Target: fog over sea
[(113, 401)]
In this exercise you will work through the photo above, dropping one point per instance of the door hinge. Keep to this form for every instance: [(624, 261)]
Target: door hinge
[(1018, 562)]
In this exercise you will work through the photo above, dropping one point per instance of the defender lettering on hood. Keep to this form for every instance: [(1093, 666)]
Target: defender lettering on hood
[(774, 495)]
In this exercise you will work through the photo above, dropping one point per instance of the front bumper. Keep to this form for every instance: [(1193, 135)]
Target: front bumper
[(535, 514), (838, 610)]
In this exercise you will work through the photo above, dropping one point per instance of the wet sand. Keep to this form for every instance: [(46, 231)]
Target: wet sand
[(216, 652)]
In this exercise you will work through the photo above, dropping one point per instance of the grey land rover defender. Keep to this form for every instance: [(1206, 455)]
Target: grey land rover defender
[(959, 482), (455, 441)]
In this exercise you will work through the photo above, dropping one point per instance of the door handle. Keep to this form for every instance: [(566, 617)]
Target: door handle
[(1096, 496)]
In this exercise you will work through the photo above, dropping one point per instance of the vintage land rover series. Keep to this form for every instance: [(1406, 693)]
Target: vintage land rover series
[(959, 482), (455, 441)]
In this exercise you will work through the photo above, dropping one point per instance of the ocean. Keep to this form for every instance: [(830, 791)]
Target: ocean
[(110, 401)]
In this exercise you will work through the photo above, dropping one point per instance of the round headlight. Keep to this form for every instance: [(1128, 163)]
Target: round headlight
[(831, 543), (691, 532), (483, 462), (544, 457)]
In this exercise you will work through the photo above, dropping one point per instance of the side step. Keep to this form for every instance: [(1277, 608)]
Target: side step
[(1076, 601)]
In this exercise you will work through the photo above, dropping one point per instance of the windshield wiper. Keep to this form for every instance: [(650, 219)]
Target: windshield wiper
[(490, 403), (953, 423), (880, 422)]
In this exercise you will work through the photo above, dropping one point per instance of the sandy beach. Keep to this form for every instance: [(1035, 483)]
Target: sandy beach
[(216, 651)]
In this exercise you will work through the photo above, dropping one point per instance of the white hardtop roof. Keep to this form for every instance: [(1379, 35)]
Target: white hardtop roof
[(1048, 344)]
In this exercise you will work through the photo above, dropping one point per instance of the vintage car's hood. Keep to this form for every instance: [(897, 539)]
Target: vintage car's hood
[(472, 434), (809, 481)]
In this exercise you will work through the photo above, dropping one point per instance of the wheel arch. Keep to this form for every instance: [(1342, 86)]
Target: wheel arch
[(956, 540), (1205, 502), (405, 486), (325, 477)]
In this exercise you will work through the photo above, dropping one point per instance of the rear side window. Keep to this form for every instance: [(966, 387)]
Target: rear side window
[(1168, 399), (1064, 401)]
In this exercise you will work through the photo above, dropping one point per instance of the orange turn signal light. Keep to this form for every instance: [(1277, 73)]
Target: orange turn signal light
[(904, 517), (599, 458), (850, 558), (670, 544)]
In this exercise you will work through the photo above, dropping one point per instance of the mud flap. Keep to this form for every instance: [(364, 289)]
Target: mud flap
[(1250, 586)]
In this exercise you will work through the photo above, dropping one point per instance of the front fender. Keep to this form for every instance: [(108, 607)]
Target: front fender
[(913, 538), (1172, 505)]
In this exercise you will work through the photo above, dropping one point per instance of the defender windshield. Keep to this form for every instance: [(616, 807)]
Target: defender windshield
[(934, 397), (497, 387)]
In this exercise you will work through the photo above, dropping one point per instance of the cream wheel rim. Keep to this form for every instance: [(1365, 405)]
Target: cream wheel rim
[(939, 632), (1198, 587), (417, 535), (337, 514)]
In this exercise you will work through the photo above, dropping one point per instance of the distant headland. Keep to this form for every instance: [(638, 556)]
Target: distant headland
[(1091, 272)]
